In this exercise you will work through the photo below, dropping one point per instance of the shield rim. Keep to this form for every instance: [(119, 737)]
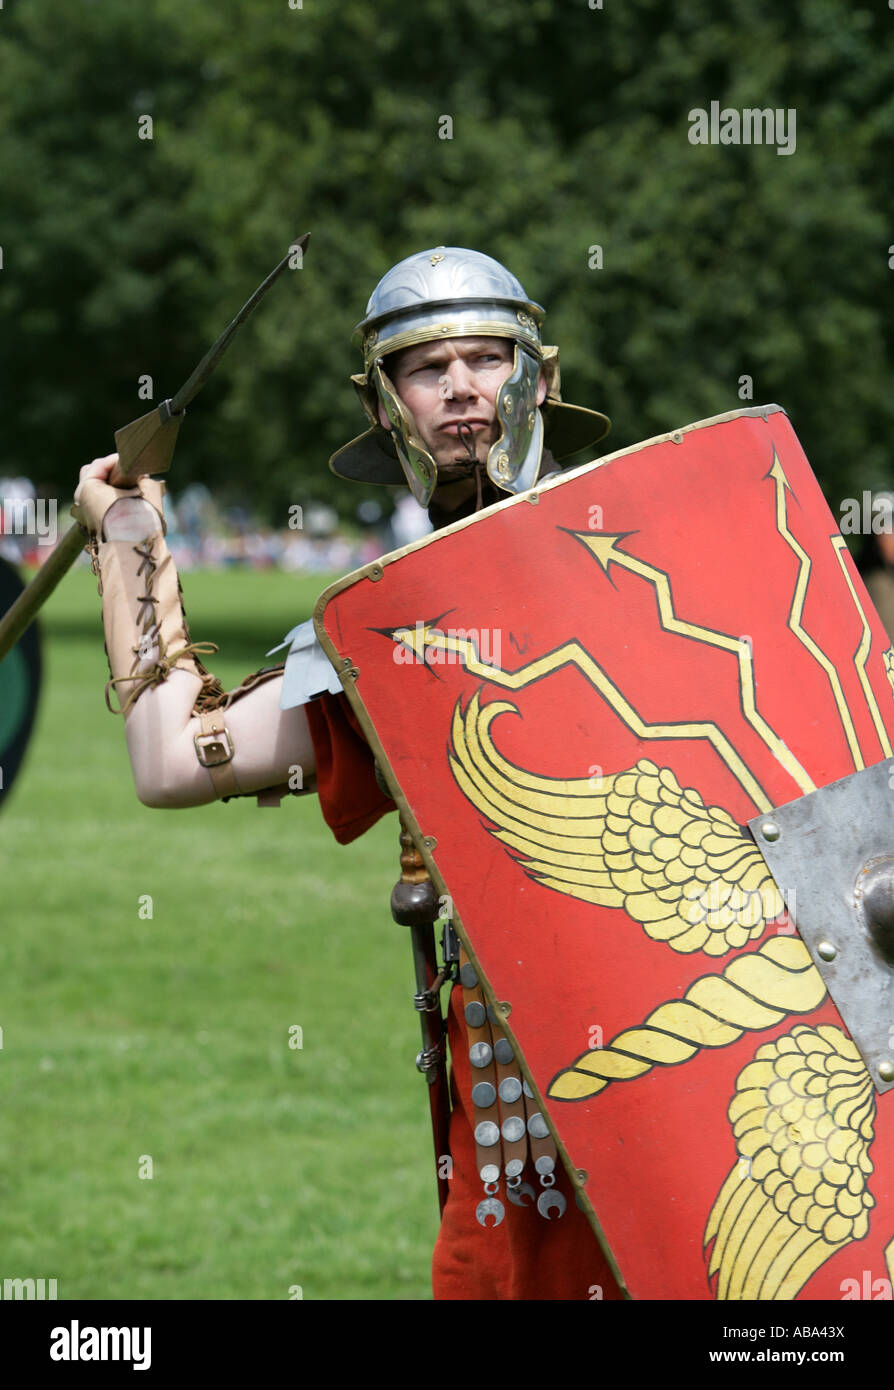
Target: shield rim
[(427, 844), (30, 648)]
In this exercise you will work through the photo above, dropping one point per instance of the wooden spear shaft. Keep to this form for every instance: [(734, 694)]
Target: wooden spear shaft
[(34, 596)]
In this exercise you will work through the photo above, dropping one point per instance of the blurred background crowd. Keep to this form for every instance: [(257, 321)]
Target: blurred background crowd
[(202, 534)]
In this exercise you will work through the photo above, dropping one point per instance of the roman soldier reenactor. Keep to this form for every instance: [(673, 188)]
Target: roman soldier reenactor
[(463, 405)]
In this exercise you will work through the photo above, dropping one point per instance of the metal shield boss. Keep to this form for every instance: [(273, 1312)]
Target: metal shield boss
[(640, 721)]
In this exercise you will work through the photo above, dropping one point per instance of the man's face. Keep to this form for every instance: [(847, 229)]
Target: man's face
[(450, 382)]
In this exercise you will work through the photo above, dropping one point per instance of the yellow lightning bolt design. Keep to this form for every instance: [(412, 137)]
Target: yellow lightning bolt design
[(573, 654), (605, 549), (781, 482), (862, 654)]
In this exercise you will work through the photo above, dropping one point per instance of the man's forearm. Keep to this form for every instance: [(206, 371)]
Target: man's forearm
[(271, 746)]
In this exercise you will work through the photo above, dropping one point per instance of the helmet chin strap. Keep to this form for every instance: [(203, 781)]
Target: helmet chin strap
[(466, 437)]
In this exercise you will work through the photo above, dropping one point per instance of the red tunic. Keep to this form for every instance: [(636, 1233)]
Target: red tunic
[(526, 1256)]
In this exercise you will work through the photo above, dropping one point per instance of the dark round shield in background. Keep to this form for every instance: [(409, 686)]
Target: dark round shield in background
[(19, 686)]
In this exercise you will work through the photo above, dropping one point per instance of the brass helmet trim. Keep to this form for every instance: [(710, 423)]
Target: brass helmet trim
[(452, 321)]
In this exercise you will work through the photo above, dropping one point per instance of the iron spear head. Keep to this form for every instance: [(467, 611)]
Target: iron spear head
[(146, 445)]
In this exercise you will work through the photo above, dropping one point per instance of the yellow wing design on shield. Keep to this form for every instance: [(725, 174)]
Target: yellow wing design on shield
[(685, 871), (803, 1117)]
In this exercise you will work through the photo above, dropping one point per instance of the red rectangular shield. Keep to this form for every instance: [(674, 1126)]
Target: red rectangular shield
[(579, 698)]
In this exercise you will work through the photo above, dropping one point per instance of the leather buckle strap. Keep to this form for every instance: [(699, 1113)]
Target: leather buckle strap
[(214, 750)]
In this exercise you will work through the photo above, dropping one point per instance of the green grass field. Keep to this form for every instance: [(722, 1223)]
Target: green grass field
[(127, 1036)]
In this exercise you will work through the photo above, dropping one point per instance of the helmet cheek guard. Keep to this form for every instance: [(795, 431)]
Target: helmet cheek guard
[(420, 469), (513, 461)]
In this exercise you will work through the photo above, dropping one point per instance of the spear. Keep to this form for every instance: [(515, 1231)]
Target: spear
[(145, 445)]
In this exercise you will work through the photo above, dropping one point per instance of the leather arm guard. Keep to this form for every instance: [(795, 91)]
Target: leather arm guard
[(146, 632)]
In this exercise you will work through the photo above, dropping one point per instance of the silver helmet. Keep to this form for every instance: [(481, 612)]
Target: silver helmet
[(451, 292)]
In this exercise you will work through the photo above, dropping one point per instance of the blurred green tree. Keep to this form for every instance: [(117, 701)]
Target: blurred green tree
[(126, 256)]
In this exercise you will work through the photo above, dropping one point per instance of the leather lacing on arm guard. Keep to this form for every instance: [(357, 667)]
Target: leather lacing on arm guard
[(212, 695)]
